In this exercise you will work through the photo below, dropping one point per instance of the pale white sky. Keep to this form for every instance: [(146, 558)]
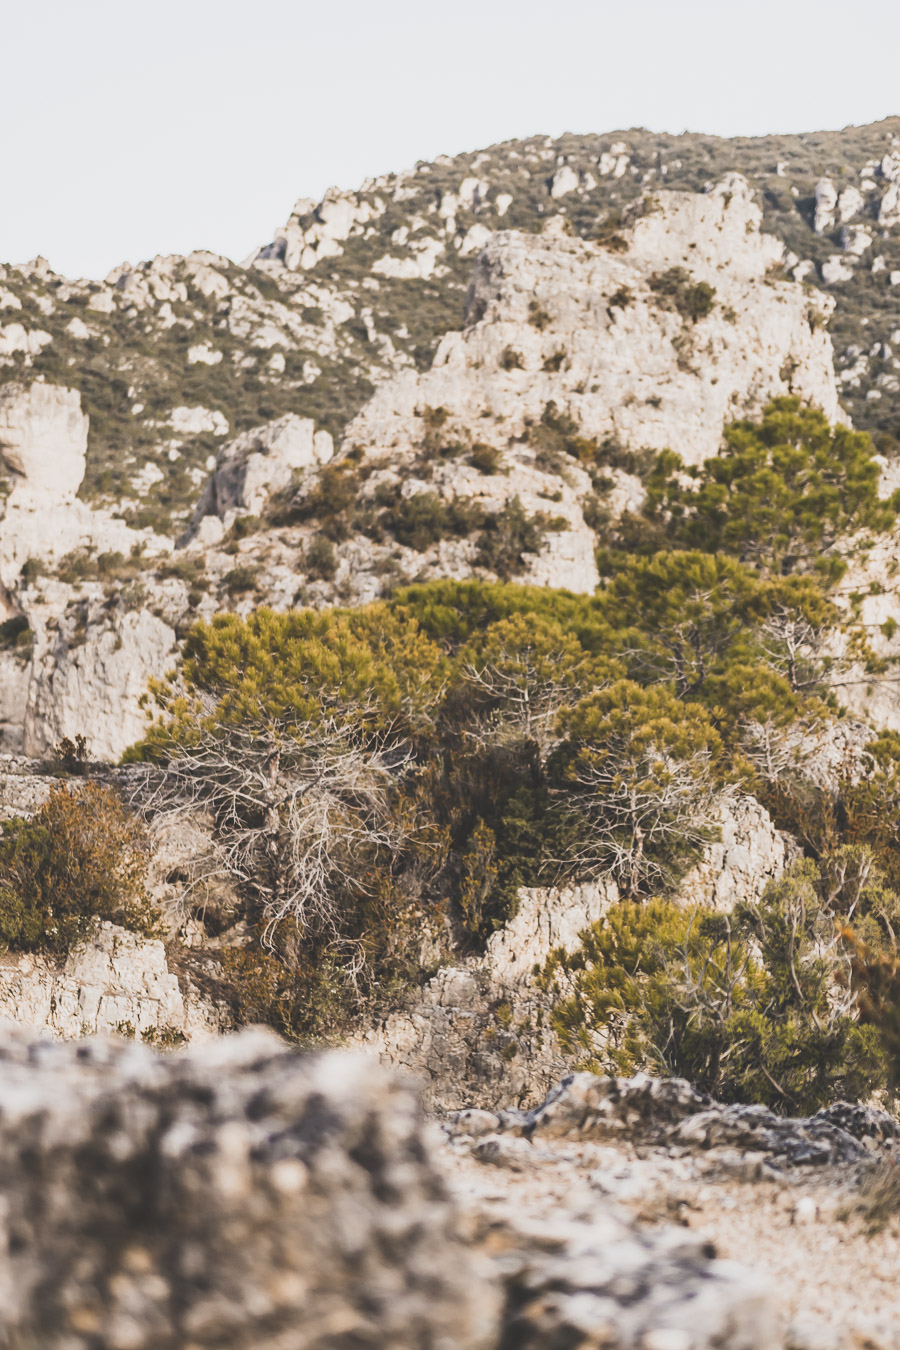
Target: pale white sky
[(132, 128)]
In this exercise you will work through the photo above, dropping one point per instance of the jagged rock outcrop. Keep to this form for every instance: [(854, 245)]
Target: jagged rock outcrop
[(115, 981), (739, 865), (89, 674), (629, 366), (254, 466), (544, 920), (559, 323), (43, 438)]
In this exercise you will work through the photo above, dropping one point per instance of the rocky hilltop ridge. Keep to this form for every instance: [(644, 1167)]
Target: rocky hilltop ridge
[(449, 472), (171, 354)]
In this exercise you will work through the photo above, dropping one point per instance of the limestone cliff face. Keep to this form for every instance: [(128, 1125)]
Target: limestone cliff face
[(90, 681), (556, 318), (114, 982), (84, 672), (556, 322), (43, 438)]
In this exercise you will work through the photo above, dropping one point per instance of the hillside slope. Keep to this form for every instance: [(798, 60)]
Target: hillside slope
[(172, 355)]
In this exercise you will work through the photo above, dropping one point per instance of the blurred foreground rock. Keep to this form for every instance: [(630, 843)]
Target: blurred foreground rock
[(244, 1195)]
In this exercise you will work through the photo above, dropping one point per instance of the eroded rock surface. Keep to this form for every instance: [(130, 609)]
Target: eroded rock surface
[(557, 318), (251, 468), (43, 438), (115, 981), (588, 1106)]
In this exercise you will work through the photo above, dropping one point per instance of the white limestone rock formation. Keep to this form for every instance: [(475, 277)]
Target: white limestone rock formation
[(43, 439), (740, 864), (115, 981), (43, 443), (252, 467), (545, 919), (22, 788), (89, 673), (84, 677), (315, 231), (552, 318)]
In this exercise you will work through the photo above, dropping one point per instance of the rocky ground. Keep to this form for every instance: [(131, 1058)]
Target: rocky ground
[(780, 1201), (254, 1197)]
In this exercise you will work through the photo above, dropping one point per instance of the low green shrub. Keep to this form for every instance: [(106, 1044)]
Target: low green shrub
[(424, 519), (742, 1005), (675, 289), (621, 298), (81, 858), (538, 316), (320, 560), (485, 458), (240, 580), (506, 537), (16, 633)]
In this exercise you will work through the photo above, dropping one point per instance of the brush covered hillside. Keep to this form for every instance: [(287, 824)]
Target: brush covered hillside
[(365, 283), (467, 632), (481, 596)]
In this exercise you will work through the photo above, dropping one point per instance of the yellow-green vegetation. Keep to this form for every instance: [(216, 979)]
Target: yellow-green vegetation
[(80, 859), (786, 493), (383, 780), (745, 1004)]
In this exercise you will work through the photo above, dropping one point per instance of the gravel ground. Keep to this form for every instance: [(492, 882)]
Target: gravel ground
[(835, 1284)]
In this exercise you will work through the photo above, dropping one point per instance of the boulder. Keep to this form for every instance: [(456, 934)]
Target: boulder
[(240, 1194), (826, 206), (43, 438), (606, 1283)]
